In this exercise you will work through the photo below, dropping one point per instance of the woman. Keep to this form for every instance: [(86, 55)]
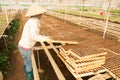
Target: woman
[(30, 36)]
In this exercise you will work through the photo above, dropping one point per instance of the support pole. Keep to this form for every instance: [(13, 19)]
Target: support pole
[(81, 8), (6, 15), (107, 18), (17, 6)]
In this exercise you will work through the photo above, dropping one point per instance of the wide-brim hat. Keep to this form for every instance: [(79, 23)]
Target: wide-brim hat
[(35, 10)]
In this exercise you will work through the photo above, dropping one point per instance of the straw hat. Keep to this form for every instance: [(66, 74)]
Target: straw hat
[(35, 10)]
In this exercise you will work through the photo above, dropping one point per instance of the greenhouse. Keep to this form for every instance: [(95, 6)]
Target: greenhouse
[(60, 39)]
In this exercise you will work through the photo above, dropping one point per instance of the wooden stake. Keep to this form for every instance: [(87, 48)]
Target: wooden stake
[(108, 13), (38, 61), (6, 15), (35, 72)]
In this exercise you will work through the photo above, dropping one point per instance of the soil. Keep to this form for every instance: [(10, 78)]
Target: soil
[(57, 30)]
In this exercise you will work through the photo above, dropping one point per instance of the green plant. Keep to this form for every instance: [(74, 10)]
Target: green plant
[(14, 26), (4, 62), (115, 11), (11, 47), (91, 15)]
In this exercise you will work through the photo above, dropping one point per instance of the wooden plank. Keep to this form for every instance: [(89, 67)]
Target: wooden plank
[(41, 48), (90, 59), (35, 72), (74, 54), (64, 42), (54, 65), (89, 56), (101, 62), (54, 48), (1, 76), (100, 77), (72, 64), (84, 74), (82, 60), (112, 51), (62, 58), (62, 49), (101, 71), (79, 79), (106, 76), (97, 77), (87, 68), (100, 56), (64, 54)]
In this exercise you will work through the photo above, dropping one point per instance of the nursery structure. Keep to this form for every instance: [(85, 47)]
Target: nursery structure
[(76, 48)]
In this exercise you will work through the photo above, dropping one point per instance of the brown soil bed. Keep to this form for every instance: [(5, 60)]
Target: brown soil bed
[(59, 30)]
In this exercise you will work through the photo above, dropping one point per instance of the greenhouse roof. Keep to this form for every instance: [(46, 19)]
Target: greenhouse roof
[(3, 23)]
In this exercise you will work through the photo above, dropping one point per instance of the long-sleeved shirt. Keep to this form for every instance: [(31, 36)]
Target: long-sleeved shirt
[(30, 34)]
